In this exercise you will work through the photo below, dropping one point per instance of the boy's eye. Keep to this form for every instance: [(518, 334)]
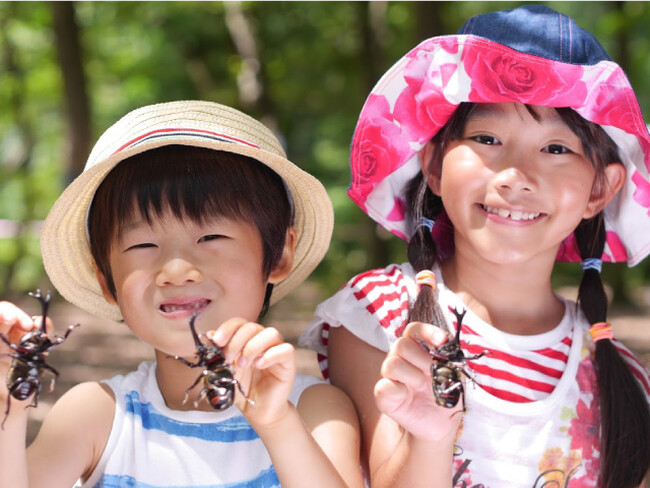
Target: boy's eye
[(556, 149), (487, 140), (210, 237), (142, 245)]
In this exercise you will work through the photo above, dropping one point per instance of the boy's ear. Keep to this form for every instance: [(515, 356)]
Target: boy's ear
[(615, 174), (104, 287), (432, 174), (285, 264)]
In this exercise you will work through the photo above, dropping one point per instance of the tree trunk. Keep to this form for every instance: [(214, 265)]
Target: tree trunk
[(68, 46)]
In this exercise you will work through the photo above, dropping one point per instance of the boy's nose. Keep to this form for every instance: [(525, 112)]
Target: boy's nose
[(178, 271)]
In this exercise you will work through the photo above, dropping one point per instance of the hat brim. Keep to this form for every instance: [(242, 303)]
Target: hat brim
[(419, 94), (64, 242)]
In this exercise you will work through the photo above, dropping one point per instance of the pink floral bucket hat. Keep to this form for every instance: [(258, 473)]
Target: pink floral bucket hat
[(532, 55)]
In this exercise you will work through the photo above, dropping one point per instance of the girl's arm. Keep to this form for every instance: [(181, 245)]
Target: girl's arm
[(315, 443), (420, 451)]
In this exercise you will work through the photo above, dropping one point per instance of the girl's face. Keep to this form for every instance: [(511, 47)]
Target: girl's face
[(515, 187), (166, 271)]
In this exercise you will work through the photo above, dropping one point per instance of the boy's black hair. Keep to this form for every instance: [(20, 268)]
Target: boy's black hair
[(193, 183), (624, 412)]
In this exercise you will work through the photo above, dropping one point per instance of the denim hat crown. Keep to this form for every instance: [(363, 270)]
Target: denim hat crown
[(540, 31)]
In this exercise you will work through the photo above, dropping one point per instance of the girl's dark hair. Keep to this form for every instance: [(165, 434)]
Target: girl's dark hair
[(193, 183), (624, 411)]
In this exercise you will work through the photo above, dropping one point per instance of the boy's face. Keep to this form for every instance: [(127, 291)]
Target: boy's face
[(166, 271)]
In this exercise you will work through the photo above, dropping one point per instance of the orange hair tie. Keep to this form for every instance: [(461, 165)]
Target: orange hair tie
[(426, 277), (601, 330)]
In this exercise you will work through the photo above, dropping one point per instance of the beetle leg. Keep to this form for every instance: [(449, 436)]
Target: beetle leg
[(6, 411), (186, 362), (187, 392), (201, 396)]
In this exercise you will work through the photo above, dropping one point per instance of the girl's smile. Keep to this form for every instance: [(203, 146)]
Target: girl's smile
[(510, 215)]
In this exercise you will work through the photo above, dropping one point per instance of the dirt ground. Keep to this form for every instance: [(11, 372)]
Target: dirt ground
[(99, 349)]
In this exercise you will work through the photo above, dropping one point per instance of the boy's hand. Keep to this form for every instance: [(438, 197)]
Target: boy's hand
[(404, 392), (265, 366), (14, 324)]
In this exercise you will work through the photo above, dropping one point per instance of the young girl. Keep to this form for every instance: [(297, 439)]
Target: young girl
[(494, 153), (186, 211)]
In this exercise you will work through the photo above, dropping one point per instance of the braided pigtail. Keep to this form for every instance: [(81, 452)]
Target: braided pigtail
[(624, 412), (422, 252), (424, 207)]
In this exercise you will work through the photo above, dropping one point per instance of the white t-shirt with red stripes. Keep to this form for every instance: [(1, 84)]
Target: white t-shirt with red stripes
[(532, 410)]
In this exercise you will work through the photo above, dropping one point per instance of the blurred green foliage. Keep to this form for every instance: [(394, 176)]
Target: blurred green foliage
[(316, 67)]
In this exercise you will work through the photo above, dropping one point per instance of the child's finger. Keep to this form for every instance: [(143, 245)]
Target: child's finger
[(259, 343), (412, 351), (12, 316), (396, 369), (222, 335), (283, 354), (389, 395), (246, 331), (432, 335)]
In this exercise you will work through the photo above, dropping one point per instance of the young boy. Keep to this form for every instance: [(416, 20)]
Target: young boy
[(185, 209)]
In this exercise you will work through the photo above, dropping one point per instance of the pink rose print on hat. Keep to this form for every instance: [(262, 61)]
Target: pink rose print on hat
[(498, 76), (642, 192), (422, 109), (378, 147)]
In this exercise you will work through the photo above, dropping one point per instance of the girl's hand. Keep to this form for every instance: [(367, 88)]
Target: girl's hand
[(265, 366), (404, 391), (14, 324)]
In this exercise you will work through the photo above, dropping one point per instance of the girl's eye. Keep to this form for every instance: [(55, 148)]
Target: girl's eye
[(556, 149), (210, 237), (487, 140)]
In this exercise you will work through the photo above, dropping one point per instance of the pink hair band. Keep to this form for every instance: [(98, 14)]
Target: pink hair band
[(425, 277), (601, 330)]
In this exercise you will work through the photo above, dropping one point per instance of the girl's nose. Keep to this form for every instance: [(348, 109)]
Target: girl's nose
[(513, 179), (178, 271)]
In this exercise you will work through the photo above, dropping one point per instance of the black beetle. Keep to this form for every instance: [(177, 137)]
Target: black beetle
[(447, 367), (28, 366), (218, 380)]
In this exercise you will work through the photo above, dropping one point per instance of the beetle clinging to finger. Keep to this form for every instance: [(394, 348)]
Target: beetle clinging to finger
[(447, 367), (28, 367)]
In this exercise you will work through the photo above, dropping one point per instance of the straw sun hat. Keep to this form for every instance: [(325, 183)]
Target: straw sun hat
[(64, 240)]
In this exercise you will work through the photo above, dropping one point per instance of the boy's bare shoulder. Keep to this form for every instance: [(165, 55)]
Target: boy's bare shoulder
[(73, 435)]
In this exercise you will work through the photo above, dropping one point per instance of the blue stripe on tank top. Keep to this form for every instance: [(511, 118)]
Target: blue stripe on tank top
[(235, 429), (266, 479)]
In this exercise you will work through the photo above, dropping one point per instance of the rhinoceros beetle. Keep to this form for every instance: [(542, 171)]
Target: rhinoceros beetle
[(27, 371), (448, 366), (218, 380)]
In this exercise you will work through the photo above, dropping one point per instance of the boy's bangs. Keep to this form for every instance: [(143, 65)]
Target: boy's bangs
[(194, 189)]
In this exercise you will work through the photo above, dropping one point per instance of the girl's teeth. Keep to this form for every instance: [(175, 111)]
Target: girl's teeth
[(514, 215)]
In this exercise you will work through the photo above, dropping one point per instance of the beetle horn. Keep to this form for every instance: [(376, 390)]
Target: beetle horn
[(197, 341), (459, 321), (45, 302)]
